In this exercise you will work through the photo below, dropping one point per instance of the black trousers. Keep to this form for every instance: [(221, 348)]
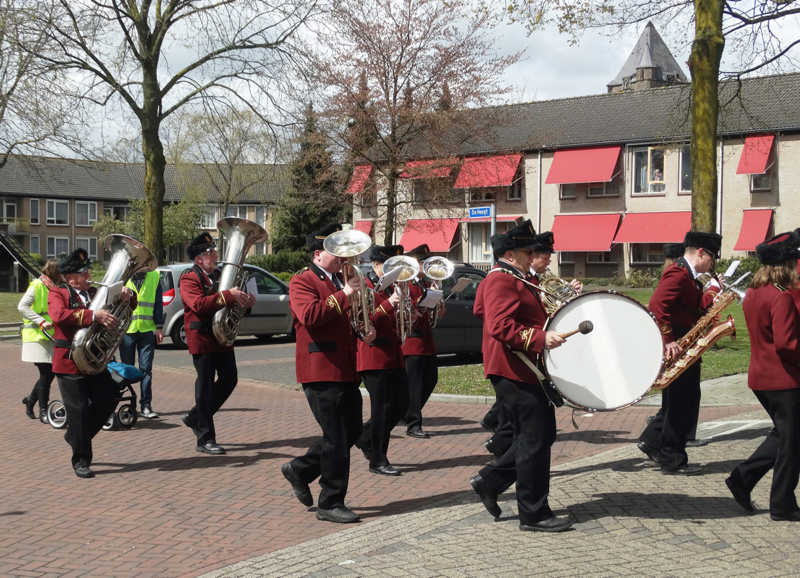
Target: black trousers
[(497, 417), (41, 389), (337, 409), (423, 375), (209, 395), (88, 400), (680, 409), (779, 450), (388, 399), (527, 462)]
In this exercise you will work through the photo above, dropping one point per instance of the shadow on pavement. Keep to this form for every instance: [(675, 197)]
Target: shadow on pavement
[(654, 506), (402, 506), (594, 436), (473, 460), (155, 424), (189, 463), (449, 420)]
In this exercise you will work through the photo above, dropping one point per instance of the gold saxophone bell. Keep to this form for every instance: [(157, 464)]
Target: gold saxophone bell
[(437, 269), (346, 245), (410, 270)]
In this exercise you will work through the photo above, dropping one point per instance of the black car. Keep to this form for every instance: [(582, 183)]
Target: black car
[(460, 331)]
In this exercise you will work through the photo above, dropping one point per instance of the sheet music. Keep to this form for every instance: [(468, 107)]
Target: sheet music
[(113, 291), (252, 286), (462, 284), (388, 279), (431, 298)]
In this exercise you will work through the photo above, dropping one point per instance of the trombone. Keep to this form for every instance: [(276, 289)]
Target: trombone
[(410, 270), (437, 269), (346, 245)]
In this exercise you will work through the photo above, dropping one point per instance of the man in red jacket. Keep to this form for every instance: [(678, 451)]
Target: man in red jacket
[(201, 297), (88, 399), (325, 361), (677, 305)]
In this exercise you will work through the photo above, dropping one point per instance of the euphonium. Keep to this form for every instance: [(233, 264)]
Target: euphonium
[(93, 346), (555, 292), (347, 244), (437, 269), (240, 235), (410, 271)]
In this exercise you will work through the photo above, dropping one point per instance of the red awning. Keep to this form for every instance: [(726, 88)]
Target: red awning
[(359, 179), (591, 233), (496, 171), (654, 227), (755, 226), (437, 233), (364, 227), (755, 155), (431, 169), (584, 165), (499, 218)]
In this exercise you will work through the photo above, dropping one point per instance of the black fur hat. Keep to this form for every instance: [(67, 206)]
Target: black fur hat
[(420, 253), (778, 249), (545, 242), (521, 237), (381, 254), (200, 244), (76, 262), (673, 250), (314, 240), (711, 242)]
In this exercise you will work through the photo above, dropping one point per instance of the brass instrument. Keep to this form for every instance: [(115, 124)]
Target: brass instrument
[(346, 245), (240, 235), (555, 292), (410, 270), (93, 346), (437, 269)]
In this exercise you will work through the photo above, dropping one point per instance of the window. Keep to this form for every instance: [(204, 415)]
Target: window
[(686, 169), (647, 253), (570, 191), (517, 185), (237, 211), (85, 213), (602, 190), (648, 170), (89, 244), (57, 213), (35, 244), (56, 246), (209, 220), (482, 194), (10, 211), (120, 213), (599, 257), (759, 183), (261, 216), (265, 284), (261, 249), (480, 246), (34, 211), (566, 258)]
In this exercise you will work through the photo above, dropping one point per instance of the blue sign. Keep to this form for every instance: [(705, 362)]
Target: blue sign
[(480, 212)]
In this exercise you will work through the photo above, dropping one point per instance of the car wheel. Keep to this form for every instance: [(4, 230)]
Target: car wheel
[(264, 336), (178, 335)]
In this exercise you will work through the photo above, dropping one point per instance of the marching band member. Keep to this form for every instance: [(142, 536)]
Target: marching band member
[(677, 304), (773, 322), (382, 369), (325, 361), (514, 317), (88, 399), (201, 299)]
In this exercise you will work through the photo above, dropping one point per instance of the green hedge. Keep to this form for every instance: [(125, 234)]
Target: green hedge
[(281, 262)]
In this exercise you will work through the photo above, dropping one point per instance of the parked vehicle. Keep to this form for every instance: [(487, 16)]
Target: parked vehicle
[(268, 317)]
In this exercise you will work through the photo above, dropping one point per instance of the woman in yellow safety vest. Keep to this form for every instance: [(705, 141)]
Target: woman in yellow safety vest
[(37, 346)]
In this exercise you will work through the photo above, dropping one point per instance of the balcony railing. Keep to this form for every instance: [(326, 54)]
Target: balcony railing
[(16, 224)]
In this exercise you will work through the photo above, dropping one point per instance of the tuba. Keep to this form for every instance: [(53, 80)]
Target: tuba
[(347, 244), (93, 346), (240, 235), (410, 271), (437, 269)]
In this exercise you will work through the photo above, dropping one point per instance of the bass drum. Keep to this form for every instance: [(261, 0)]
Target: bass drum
[(615, 365)]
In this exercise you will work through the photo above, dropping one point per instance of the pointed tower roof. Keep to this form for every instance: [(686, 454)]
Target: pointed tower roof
[(650, 52)]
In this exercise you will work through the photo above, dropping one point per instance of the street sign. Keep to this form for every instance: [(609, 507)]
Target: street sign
[(480, 212)]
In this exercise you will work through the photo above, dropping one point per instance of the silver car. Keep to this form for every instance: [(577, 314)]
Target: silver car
[(269, 316)]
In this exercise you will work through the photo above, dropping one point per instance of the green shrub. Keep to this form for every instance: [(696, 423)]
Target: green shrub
[(643, 278), (38, 258), (604, 281), (281, 262), (750, 264)]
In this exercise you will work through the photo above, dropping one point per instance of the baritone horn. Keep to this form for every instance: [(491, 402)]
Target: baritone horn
[(437, 269), (410, 270), (346, 245)]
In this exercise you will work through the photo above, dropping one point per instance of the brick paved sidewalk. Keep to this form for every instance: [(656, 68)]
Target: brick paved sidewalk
[(159, 508)]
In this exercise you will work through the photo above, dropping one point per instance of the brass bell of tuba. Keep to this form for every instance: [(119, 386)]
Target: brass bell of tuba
[(348, 244), (437, 269), (93, 346), (410, 270), (240, 235)]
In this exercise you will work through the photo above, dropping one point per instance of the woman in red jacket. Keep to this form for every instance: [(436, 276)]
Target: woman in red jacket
[(774, 376)]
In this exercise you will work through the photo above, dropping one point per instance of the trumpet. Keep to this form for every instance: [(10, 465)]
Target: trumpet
[(437, 269), (410, 270), (346, 245)]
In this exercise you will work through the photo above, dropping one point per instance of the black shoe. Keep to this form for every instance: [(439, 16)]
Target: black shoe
[(301, 490), (684, 471), (43, 417), (486, 494), (740, 493), (211, 447), (793, 517), (696, 443), (649, 419), (189, 422), (650, 452), (386, 470), (487, 427), (84, 472), (550, 525), (493, 449), (26, 401), (366, 450), (340, 515), (418, 433)]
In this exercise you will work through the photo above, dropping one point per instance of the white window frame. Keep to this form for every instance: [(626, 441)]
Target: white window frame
[(573, 186), (517, 186), (88, 247), (762, 188), (566, 257), (210, 212), (650, 150), (38, 250), (263, 220), (605, 259), (110, 209), (36, 212), (650, 184), (648, 252), (55, 253), (607, 190), (54, 203), (89, 206), (238, 211), (681, 190)]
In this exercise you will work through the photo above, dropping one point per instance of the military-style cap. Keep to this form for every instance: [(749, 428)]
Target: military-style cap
[(545, 242), (778, 249), (314, 240), (420, 253), (673, 250), (521, 237), (76, 262), (200, 244), (381, 254), (711, 242)]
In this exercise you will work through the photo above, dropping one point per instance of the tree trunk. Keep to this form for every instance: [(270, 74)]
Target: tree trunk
[(704, 65), (391, 206), (154, 164)]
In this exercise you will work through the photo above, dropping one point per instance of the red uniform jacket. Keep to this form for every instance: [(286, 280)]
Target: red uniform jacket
[(420, 340), (69, 314), (513, 316), (679, 301), (326, 345), (385, 351), (199, 309), (772, 321)]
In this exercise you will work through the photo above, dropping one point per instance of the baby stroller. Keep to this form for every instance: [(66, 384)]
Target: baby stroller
[(125, 416)]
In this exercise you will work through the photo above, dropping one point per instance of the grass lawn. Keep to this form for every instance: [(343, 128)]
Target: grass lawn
[(8, 310)]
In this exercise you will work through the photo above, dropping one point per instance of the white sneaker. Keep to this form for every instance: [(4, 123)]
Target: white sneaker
[(148, 413)]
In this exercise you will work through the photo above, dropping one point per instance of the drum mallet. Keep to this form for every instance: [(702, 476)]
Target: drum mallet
[(584, 327)]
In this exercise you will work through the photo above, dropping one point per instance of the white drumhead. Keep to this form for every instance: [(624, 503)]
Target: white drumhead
[(614, 365)]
